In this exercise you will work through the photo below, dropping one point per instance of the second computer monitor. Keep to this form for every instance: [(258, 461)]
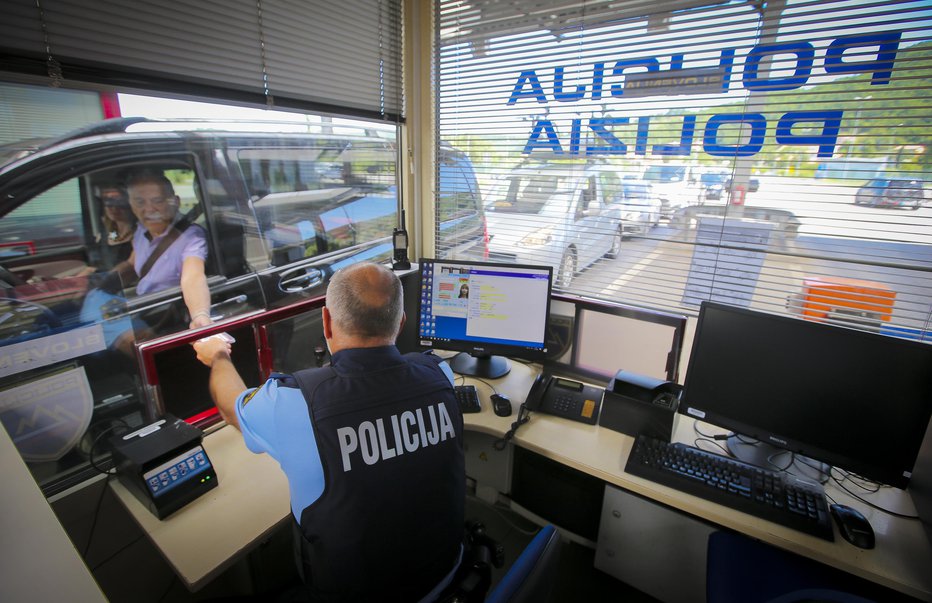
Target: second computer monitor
[(485, 311)]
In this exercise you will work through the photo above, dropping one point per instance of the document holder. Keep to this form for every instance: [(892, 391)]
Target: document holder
[(635, 404)]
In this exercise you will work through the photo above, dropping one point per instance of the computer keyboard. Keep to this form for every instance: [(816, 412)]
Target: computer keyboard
[(468, 398), (772, 495)]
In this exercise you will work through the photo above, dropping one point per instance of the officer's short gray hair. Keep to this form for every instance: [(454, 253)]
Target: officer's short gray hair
[(366, 300)]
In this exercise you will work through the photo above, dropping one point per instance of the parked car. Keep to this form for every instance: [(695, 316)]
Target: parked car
[(640, 207), (281, 213), (676, 185), (712, 185), (886, 192), (564, 216)]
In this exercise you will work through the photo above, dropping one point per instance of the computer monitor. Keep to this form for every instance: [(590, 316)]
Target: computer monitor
[(484, 311), (178, 382), (856, 400)]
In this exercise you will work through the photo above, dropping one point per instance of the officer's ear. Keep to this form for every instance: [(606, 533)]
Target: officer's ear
[(404, 317), (327, 324)]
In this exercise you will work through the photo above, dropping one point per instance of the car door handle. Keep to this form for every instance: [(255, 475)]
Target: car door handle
[(300, 279)]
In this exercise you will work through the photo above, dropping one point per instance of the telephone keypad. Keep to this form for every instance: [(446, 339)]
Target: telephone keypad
[(566, 404)]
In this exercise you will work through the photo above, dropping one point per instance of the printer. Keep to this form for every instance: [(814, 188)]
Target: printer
[(164, 464)]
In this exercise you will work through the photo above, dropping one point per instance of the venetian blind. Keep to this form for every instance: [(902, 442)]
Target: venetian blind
[(770, 155), (342, 58)]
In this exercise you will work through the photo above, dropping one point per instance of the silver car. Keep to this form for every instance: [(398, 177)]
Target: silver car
[(640, 207), (554, 215)]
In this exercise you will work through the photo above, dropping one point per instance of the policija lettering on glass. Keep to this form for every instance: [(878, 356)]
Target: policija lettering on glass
[(873, 53)]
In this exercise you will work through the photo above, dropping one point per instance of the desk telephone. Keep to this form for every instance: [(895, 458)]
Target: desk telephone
[(565, 398)]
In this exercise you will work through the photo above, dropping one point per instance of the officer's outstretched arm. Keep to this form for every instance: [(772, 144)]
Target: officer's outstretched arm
[(225, 383)]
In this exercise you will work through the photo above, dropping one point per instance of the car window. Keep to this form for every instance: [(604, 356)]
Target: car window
[(457, 196), (48, 221), (611, 187), (321, 198), (636, 192)]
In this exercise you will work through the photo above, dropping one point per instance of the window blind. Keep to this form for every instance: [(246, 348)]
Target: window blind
[(342, 58), (769, 155)]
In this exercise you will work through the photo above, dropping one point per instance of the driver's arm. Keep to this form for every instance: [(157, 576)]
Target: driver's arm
[(195, 291)]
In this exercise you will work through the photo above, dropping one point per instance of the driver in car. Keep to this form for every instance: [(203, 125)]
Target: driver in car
[(166, 252)]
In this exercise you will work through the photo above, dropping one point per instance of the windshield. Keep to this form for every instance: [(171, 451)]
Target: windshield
[(530, 194), (665, 173)]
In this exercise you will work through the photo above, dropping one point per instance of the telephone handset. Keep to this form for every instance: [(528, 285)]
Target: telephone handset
[(565, 398)]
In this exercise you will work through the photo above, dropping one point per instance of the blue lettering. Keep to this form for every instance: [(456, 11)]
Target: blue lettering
[(575, 136), (881, 66), (804, 56), (552, 142), (686, 139), (558, 92), (535, 90), (758, 125), (598, 76), (615, 146), (727, 62), (831, 124), (651, 64), (640, 143)]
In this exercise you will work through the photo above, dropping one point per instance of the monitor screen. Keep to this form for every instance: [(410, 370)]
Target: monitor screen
[(182, 381), (858, 401), (485, 311)]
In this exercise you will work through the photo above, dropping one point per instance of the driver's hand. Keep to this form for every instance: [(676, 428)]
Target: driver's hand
[(209, 349), (201, 320)]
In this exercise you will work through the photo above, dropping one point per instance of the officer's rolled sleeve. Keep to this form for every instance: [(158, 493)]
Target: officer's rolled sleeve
[(255, 409)]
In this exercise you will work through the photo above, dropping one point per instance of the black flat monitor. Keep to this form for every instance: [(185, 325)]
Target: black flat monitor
[(179, 383), (485, 311), (855, 400)]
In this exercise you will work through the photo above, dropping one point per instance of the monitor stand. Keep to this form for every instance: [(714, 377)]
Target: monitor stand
[(489, 367), (772, 457)]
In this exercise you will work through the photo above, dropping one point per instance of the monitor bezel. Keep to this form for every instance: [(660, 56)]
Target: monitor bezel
[(866, 467), (489, 348)]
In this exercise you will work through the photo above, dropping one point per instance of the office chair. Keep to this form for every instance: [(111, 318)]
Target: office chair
[(530, 578), (742, 569)]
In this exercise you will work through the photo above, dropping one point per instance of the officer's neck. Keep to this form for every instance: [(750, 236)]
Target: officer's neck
[(348, 342)]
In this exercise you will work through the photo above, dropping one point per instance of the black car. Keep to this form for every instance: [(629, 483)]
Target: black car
[(886, 192), (281, 212)]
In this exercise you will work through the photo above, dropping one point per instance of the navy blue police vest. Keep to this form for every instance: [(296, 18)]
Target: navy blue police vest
[(389, 523)]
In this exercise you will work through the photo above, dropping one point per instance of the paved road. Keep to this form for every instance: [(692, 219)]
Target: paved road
[(653, 269)]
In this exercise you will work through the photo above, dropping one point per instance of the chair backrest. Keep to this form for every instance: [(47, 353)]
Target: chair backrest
[(531, 576)]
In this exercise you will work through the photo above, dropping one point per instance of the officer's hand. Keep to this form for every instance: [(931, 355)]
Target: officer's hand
[(210, 348)]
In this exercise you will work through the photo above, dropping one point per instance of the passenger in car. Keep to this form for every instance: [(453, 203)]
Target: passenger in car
[(167, 251), (119, 225)]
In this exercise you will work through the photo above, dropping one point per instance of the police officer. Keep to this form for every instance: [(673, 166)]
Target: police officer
[(372, 447)]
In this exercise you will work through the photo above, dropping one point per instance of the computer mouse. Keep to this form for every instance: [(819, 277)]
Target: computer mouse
[(853, 526), (501, 404)]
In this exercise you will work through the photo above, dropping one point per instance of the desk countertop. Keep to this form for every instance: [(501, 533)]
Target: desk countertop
[(901, 559), (251, 499), (209, 534)]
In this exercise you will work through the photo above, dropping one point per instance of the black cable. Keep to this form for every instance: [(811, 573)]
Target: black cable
[(100, 500), (491, 387), (524, 415), (97, 439), (872, 505), (120, 550), (103, 490), (170, 586), (711, 441)]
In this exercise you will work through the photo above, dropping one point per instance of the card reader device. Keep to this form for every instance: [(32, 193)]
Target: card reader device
[(164, 465)]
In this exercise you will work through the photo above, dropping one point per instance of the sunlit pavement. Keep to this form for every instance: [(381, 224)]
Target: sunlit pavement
[(832, 232)]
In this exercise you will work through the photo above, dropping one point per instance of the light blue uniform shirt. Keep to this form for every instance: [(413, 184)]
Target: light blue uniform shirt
[(275, 419)]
